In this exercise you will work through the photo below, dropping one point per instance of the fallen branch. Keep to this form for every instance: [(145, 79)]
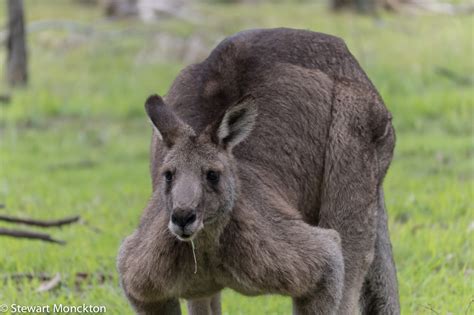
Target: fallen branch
[(30, 235), (80, 277), (84, 276), (40, 223), (29, 276)]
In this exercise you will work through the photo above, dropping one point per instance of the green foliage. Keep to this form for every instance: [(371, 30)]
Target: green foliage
[(76, 142)]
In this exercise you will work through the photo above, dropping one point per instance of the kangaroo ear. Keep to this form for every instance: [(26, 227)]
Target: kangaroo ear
[(167, 125), (236, 125)]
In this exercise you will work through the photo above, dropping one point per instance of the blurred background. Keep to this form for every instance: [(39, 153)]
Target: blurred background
[(74, 138)]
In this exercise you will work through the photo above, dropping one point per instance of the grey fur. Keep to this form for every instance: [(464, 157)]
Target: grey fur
[(310, 164)]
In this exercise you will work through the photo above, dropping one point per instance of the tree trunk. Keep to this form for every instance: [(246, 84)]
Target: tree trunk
[(17, 57), (367, 6), (120, 8), (361, 6)]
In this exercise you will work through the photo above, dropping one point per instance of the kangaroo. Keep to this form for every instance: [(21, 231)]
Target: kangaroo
[(267, 163)]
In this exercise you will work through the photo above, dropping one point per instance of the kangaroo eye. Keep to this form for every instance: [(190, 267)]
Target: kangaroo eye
[(212, 177), (168, 176)]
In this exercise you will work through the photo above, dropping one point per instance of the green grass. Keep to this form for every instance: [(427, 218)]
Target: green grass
[(76, 142)]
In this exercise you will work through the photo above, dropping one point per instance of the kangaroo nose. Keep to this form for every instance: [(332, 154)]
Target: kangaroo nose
[(183, 217)]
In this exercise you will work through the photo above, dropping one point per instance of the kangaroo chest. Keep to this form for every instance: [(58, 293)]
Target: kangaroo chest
[(207, 276), (200, 273)]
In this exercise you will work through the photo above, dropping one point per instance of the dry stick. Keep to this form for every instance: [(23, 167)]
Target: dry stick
[(39, 222), (30, 235)]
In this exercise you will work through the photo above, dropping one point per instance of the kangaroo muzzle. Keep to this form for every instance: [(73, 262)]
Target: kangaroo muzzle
[(184, 223)]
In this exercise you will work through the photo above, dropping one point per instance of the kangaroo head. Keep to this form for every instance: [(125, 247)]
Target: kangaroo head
[(199, 182)]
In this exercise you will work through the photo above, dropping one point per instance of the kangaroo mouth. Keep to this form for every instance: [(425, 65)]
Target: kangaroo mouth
[(182, 235), (185, 237), (186, 233)]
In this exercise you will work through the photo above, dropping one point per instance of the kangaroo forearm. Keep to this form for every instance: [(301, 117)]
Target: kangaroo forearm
[(290, 258), (163, 307), (144, 299), (137, 268)]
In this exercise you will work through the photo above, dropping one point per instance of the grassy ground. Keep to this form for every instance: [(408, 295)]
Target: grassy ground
[(76, 142)]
